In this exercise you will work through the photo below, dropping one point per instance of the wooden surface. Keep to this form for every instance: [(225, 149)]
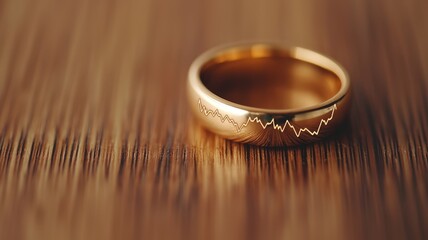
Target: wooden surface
[(97, 140)]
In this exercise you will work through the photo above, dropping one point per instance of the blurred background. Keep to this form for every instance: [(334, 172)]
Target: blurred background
[(97, 140)]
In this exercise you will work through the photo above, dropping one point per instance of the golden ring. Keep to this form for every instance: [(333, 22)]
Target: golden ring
[(269, 95)]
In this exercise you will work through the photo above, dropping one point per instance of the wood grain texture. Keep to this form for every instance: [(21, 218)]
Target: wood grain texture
[(97, 140)]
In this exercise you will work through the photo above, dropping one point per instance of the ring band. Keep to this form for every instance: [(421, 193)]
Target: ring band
[(268, 95)]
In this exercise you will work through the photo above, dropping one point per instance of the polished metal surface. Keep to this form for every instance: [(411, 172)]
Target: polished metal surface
[(269, 95)]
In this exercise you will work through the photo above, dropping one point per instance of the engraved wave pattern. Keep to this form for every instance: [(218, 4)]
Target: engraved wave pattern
[(280, 127)]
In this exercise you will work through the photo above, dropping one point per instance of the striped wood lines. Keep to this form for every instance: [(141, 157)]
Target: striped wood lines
[(97, 141)]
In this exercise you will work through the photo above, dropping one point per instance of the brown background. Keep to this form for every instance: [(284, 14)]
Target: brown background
[(97, 140)]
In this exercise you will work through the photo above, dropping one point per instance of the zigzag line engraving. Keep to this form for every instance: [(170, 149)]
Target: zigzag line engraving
[(203, 109)]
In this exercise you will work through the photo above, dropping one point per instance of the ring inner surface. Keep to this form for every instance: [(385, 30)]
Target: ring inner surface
[(274, 82)]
